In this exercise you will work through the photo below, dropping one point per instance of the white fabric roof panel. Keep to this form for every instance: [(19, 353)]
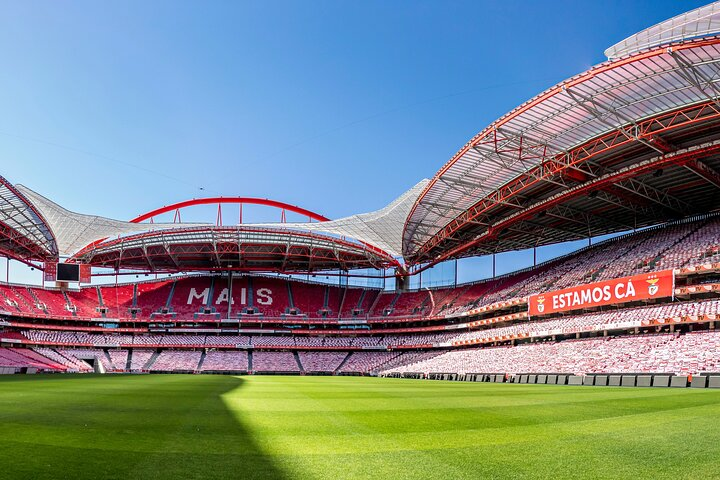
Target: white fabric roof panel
[(381, 229), (696, 23), (606, 98), (74, 231)]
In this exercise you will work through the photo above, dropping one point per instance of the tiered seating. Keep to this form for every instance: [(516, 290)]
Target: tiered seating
[(700, 247), (221, 295), (53, 300), (76, 363), (351, 301), (368, 300), (228, 340), (309, 298), (270, 296), (216, 361), (274, 362), (23, 298), (410, 303), (409, 358), (691, 353), (186, 290), (118, 300), (326, 362), (85, 302), (334, 295), (176, 360), (594, 321), (71, 365), (105, 340), (440, 299), (366, 362), (182, 339), (152, 296), (51, 336), (420, 339), (273, 341), (139, 359), (78, 354), (23, 357), (675, 246), (356, 341), (8, 301), (118, 359), (382, 304), (147, 340), (646, 251)]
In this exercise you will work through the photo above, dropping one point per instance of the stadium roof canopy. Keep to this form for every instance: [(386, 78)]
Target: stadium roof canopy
[(629, 143), (370, 240), (24, 233), (701, 22)]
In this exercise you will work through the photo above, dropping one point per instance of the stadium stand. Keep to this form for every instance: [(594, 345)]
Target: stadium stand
[(659, 353), (219, 361), (140, 359), (176, 360), (264, 361), (326, 362), (677, 246), (26, 358)]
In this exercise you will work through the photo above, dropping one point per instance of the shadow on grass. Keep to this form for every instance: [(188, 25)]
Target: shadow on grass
[(128, 427)]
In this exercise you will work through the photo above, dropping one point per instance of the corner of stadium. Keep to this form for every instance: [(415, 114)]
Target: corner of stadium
[(628, 150)]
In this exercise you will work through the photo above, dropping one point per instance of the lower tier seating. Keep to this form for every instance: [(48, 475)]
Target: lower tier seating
[(658, 353), (675, 353)]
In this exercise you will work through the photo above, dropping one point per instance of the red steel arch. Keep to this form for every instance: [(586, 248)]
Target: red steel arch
[(219, 201)]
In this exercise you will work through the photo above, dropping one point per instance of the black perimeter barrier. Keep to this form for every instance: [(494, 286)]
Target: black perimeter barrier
[(641, 380)]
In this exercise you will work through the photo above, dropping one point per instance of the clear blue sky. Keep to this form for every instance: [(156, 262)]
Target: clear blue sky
[(115, 108)]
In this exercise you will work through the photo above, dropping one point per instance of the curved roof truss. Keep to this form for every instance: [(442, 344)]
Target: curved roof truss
[(241, 248), (24, 233), (563, 131)]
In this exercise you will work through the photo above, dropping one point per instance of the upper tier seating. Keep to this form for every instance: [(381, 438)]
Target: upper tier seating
[(152, 297), (53, 301), (118, 300), (86, 301)]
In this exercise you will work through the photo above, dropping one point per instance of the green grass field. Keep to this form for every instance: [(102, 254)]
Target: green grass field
[(206, 427)]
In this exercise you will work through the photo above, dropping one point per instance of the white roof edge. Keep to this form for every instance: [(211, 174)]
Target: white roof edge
[(381, 228), (701, 22), (74, 231)]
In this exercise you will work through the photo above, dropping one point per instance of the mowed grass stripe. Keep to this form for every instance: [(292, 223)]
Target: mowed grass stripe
[(201, 426)]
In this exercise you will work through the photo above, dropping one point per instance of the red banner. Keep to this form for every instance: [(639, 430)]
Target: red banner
[(620, 290), (50, 273), (85, 273)]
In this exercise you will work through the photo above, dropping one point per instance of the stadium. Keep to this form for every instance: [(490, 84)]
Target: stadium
[(602, 362)]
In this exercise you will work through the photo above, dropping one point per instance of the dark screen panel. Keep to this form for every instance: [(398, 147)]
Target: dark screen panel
[(68, 272)]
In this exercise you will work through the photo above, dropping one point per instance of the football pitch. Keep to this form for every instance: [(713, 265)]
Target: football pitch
[(206, 427)]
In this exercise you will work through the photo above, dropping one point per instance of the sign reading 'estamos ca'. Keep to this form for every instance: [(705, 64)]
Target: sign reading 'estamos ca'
[(620, 290)]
